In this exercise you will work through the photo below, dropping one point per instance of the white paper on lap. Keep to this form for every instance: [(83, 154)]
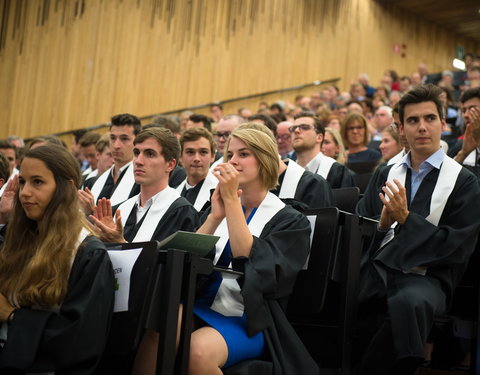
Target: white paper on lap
[(123, 262)]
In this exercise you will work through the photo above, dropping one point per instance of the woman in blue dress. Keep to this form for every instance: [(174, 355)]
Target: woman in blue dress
[(242, 318)]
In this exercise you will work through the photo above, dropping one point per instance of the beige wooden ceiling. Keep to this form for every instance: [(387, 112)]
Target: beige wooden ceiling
[(459, 16)]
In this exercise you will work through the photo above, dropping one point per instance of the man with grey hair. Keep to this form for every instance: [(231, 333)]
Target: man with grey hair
[(381, 120)]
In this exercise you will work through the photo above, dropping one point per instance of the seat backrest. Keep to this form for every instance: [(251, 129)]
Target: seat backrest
[(346, 198), (362, 167), (362, 180), (310, 288)]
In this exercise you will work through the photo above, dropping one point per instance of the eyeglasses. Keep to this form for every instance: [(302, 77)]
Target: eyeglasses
[(302, 127), (222, 135), (283, 137), (352, 128)]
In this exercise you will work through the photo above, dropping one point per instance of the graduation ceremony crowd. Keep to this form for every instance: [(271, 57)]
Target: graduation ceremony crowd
[(246, 177)]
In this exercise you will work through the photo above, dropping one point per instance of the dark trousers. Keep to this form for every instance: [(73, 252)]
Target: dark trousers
[(379, 357)]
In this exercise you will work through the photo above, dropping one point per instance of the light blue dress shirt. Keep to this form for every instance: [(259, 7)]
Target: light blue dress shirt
[(434, 161)]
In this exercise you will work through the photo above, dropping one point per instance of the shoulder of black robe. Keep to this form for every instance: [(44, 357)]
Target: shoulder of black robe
[(192, 193), (72, 340), (453, 151), (135, 190), (177, 176), (339, 176), (181, 215), (207, 204), (314, 191), (270, 273), (474, 169), (107, 188), (89, 182)]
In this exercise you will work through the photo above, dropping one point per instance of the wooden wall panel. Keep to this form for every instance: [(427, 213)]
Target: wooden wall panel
[(69, 64)]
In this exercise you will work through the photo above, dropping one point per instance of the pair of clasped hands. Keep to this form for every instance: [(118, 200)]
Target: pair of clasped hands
[(227, 191), (395, 208)]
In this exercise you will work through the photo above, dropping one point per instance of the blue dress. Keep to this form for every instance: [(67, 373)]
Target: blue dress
[(232, 328)]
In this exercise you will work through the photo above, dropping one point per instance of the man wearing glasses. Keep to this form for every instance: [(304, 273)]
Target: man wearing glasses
[(469, 154), (225, 127), (307, 137), (284, 141)]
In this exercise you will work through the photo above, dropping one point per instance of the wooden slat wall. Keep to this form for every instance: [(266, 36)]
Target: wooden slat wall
[(68, 64)]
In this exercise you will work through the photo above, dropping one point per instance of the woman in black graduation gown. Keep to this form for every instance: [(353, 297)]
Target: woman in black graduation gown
[(56, 280), (269, 242)]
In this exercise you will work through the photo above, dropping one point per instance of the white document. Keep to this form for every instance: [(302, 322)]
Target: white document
[(123, 262)]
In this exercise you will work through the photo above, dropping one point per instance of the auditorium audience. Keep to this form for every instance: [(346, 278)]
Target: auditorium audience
[(135, 182)]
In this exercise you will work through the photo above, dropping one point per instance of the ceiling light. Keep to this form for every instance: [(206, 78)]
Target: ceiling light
[(459, 64)]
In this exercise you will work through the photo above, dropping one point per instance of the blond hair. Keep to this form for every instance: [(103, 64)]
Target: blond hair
[(265, 151), (337, 138)]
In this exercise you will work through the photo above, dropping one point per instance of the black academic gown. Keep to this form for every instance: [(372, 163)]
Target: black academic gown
[(177, 176), (72, 340), (109, 187), (89, 182), (444, 249), (270, 272), (192, 194), (313, 191), (339, 176), (181, 215)]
